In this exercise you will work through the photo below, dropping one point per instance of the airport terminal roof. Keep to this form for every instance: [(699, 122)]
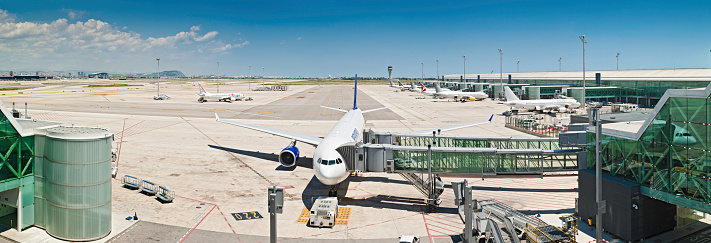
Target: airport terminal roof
[(691, 74)]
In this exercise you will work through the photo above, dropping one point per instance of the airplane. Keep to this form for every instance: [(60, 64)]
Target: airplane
[(205, 96), (680, 136), (560, 105), (462, 96), (328, 164)]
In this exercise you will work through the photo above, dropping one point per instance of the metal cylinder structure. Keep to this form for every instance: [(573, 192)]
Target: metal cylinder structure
[(77, 186), (534, 93)]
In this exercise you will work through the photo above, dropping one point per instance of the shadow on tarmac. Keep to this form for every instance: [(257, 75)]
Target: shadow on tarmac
[(301, 162)]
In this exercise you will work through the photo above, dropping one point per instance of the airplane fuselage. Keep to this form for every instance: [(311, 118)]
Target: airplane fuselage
[(544, 104), (348, 129)]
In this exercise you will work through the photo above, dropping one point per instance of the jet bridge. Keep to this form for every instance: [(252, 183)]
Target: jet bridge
[(422, 159)]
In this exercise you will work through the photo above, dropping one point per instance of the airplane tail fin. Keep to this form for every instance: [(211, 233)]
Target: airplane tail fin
[(510, 96), (398, 82), (355, 93), (422, 87), (437, 88), (202, 90)]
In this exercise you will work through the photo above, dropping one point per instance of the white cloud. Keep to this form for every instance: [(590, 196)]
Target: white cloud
[(299, 38), (62, 43), (6, 17)]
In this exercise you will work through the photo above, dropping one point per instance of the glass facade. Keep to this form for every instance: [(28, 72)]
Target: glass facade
[(672, 158), (16, 152), (544, 155), (626, 88)]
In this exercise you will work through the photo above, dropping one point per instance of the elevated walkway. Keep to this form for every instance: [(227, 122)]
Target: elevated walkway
[(410, 155)]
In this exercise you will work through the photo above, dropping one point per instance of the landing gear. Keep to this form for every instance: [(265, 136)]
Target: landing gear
[(333, 191), (201, 100)]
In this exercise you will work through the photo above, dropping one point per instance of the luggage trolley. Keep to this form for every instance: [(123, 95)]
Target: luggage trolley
[(131, 182), (165, 195), (149, 188)]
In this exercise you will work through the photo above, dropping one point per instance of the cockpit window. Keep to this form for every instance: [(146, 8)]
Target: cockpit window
[(324, 162), (331, 162), (339, 161), (687, 134)]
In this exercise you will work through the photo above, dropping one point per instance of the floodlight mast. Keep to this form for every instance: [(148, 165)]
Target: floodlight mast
[(158, 59), (559, 65), (437, 69), (249, 81), (517, 62), (464, 76), (218, 77), (501, 71), (618, 60), (582, 38)]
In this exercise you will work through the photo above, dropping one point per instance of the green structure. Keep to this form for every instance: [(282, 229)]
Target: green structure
[(475, 155), (641, 86), (669, 154), (55, 176)]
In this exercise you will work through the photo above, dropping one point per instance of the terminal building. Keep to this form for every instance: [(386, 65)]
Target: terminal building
[(55, 176), (645, 87), (656, 168)]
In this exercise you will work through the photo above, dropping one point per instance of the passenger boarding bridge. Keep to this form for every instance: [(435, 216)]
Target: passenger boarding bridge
[(421, 158)]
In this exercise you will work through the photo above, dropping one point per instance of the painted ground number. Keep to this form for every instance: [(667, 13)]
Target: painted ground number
[(247, 215)]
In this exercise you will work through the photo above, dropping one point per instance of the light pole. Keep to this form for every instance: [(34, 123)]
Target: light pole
[(423, 71), (262, 76), (464, 76), (582, 38), (218, 77), (618, 60), (437, 69), (249, 81), (158, 59), (517, 62), (559, 65), (501, 69)]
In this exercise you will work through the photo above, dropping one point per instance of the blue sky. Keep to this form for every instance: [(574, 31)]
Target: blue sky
[(341, 38)]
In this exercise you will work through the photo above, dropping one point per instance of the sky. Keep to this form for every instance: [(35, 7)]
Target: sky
[(342, 38)]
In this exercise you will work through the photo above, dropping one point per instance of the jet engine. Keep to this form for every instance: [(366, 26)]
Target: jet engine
[(288, 156), (562, 109)]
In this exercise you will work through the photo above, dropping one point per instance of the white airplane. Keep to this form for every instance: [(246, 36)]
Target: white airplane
[(462, 96), (328, 164), (560, 105), (680, 137), (229, 97)]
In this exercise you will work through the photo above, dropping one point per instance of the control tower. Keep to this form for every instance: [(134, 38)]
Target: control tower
[(390, 72)]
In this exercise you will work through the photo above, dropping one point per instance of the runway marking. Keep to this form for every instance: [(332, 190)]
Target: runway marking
[(196, 225), (107, 99), (216, 109), (266, 112)]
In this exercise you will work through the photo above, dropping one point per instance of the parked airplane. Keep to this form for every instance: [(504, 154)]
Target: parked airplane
[(462, 96), (560, 105), (328, 164), (206, 96)]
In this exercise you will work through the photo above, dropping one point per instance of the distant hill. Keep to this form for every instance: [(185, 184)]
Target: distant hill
[(170, 74)]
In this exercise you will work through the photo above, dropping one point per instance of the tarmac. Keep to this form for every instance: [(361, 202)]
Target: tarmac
[(217, 170)]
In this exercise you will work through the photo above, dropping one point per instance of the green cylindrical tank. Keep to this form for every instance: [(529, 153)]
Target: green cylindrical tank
[(576, 94), (77, 169), (534, 93), (498, 89)]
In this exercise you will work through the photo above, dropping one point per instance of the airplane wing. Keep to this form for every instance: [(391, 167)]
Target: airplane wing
[(429, 131), (304, 138)]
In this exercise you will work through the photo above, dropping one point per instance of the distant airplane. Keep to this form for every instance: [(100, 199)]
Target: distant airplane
[(462, 96), (560, 105), (328, 164), (206, 96)]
